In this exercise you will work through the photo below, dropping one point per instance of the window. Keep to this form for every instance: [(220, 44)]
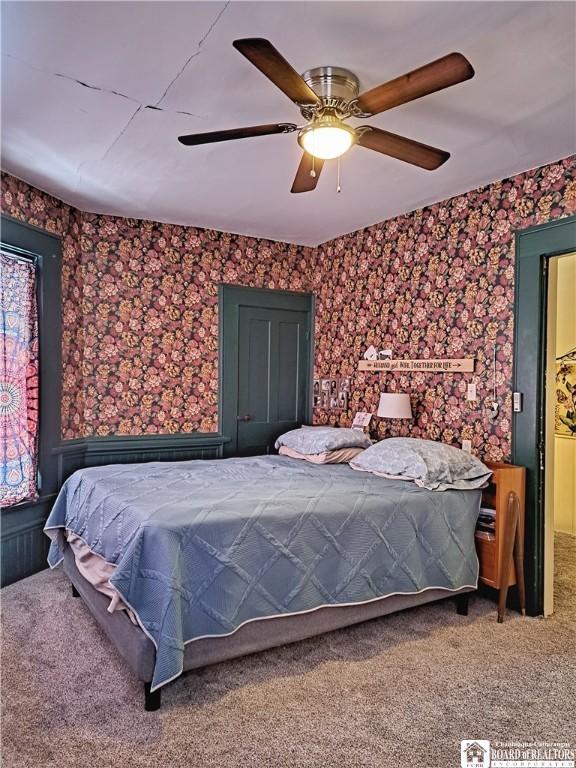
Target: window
[(30, 368), (18, 379)]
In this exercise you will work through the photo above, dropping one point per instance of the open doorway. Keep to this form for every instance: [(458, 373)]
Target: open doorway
[(539, 250), (560, 483)]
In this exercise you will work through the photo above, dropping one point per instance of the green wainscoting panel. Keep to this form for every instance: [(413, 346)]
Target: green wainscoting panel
[(23, 544), (118, 449)]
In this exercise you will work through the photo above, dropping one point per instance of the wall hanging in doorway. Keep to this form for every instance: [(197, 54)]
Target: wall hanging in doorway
[(565, 406)]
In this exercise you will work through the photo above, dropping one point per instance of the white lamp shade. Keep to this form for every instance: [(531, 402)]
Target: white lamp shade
[(394, 406)]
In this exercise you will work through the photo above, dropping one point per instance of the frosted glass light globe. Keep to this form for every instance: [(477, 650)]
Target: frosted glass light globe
[(326, 140)]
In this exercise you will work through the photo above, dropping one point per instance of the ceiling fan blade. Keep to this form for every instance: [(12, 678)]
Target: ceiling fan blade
[(271, 63), (442, 73), (401, 148), (303, 181), (236, 133)]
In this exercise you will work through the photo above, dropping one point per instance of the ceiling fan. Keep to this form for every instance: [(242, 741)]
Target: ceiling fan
[(327, 96)]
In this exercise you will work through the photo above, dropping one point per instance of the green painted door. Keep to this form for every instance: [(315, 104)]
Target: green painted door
[(272, 376), (265, 366)]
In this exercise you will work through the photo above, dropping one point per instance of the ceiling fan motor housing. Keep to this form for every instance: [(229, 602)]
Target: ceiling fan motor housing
[(336, 87)]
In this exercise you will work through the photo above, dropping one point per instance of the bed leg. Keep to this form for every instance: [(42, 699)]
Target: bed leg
[(462, 604), (152, 699), (75, 592)]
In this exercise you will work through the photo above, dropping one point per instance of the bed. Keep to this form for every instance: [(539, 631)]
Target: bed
[(218, 559)]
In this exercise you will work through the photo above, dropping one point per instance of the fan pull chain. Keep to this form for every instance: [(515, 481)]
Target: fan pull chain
[(313, 169), (338, 188)]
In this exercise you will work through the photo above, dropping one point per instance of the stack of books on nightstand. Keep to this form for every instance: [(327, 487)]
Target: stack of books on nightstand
[(486, 525)]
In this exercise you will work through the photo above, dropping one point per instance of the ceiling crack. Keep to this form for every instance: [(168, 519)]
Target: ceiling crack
[(98, 88), (176, 111), (196, 53), (125, 96), (122, 132), (69, 77)]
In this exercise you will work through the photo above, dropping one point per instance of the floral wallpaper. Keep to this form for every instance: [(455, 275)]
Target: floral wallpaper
[(140, 331), (436, 282), (140, 313), (28, 204)]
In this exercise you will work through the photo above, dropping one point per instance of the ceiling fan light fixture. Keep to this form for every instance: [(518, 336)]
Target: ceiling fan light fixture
[(327, 138), (326, 96)]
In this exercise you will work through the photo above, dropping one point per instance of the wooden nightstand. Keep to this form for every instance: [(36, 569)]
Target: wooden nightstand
[(501, 556)]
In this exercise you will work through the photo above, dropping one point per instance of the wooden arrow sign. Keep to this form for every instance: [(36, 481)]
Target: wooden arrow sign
[(463, 365)]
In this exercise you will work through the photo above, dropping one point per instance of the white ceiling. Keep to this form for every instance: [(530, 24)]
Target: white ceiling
[(102, 150)]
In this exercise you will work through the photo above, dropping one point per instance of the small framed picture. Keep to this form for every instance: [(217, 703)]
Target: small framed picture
[(316, 396), (362, 420), (332, 394)]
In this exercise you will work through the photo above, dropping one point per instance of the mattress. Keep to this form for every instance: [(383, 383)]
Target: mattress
[(139, 652), (203, 547)]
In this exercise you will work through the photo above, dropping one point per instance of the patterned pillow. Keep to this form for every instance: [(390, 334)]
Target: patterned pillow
[(432, 465), (322, 439)]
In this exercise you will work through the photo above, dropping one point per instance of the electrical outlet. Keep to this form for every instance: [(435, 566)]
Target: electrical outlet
[(467, 446), (471, 391)]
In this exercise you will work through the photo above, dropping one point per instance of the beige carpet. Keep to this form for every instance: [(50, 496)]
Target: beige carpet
[(397, 692)]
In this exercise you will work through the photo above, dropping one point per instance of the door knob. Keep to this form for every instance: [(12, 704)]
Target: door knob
[(243, 418)]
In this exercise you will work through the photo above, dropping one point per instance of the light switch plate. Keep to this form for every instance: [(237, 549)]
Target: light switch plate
[(467, 446), (471, 391)]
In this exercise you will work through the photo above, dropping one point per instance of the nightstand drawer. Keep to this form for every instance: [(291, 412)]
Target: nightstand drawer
[(487, 555)]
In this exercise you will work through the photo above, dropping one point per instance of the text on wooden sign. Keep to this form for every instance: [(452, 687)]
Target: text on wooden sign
[(463, 365)]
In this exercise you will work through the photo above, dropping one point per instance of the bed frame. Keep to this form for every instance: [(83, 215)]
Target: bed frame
[(139, 653)]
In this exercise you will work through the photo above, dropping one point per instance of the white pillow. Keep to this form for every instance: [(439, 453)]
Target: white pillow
[(436, 466), (321, 439)]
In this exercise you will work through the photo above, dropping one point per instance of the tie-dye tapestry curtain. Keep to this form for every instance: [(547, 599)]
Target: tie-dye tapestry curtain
[(18, 380)]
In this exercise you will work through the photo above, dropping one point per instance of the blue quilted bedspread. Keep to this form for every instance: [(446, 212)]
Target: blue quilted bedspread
[(202, 547)]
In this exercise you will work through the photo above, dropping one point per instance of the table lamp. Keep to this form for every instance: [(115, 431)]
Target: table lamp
[(394, 406)]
